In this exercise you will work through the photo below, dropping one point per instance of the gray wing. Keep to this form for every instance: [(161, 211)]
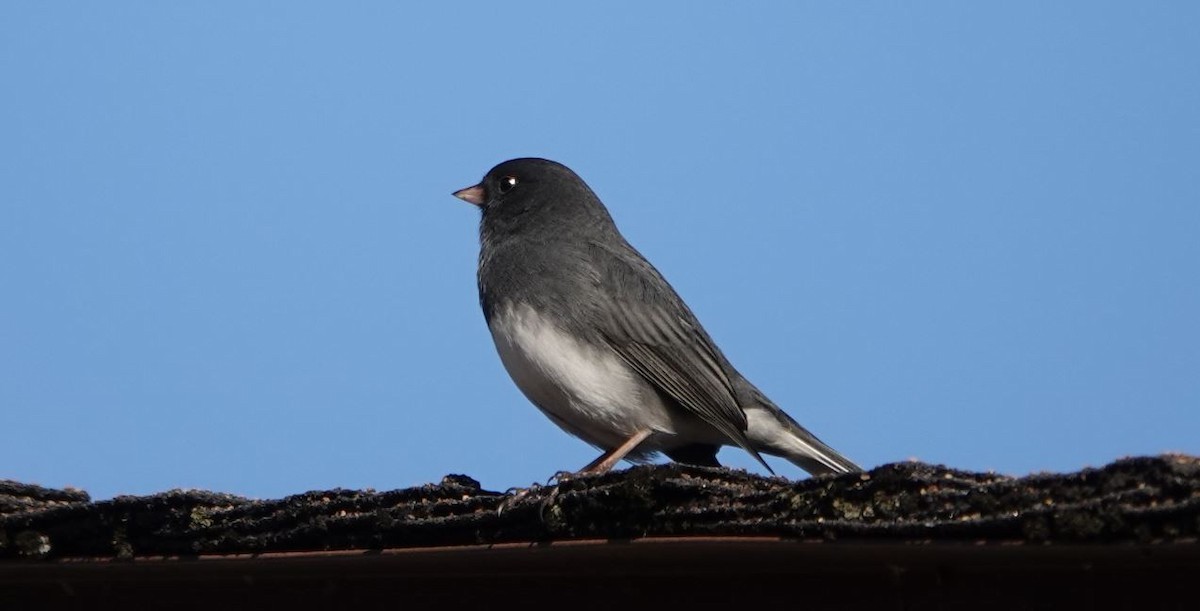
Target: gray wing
[(645, 322)]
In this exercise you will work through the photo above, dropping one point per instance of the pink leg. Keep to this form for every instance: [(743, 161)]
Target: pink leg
[(609, 459)]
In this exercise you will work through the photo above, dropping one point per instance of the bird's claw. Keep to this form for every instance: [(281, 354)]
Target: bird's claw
[(515, 495), (561, 477)]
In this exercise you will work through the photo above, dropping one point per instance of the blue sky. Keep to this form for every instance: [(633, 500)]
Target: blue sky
[(967, 234)]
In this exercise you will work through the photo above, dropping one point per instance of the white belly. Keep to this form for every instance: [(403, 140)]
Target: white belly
[(588, 391)]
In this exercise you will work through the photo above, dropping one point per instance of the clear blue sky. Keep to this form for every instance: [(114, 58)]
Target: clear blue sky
[(229, 258)]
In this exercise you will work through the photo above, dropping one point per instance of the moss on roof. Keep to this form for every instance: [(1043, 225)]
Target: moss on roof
[(1144, 500)]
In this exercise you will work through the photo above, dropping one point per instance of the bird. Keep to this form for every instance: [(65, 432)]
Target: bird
[(598, 340)]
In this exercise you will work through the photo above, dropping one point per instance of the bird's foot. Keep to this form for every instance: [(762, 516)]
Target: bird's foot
[(563, 477), (516, 495), (548, 491)]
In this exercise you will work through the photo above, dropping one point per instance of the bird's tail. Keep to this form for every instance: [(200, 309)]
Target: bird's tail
[(773, 432), (814, 455)]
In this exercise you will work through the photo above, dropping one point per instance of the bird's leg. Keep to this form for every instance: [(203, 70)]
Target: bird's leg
[(609, 459), (603, 464)]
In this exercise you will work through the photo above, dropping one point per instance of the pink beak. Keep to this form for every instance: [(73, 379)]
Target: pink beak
[(471, 195)]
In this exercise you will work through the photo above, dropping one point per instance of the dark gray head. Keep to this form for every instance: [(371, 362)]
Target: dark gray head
[(539, 222), (537, 192)]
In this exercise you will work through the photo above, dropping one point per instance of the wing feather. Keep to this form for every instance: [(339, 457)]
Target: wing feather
[(646, 323)]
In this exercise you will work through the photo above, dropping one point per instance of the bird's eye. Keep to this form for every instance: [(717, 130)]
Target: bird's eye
[(507, 183)]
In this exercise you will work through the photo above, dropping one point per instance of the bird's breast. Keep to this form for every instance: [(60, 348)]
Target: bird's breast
[(587, 389)]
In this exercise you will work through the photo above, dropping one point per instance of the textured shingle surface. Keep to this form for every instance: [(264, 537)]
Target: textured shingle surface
[(1142, 500)]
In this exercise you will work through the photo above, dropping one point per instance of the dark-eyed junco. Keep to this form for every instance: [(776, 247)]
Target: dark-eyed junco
[(601, 343)]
